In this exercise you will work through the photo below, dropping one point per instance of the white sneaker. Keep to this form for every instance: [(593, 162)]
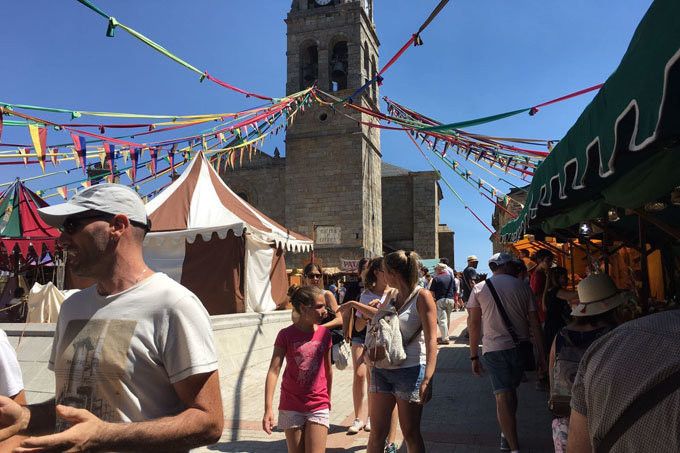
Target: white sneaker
[(367, 426), (357, 425)]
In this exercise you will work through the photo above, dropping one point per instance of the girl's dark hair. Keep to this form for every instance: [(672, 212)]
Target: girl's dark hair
[(310, 267), (361, 265), (553, 277), (543, 254), (303, 295), (404, 264), (369, 276)]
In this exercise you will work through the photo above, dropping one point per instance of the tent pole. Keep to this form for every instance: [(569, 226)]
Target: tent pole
[(671, 231), (642, 235), (571, 262)]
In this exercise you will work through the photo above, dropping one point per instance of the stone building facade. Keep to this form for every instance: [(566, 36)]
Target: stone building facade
[(331, 180)]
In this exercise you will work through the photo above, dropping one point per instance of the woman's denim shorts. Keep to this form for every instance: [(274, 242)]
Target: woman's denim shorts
[(403, 383)]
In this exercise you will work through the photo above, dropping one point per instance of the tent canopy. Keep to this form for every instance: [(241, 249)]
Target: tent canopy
[(20, 223), (199, 202), (623, 150)]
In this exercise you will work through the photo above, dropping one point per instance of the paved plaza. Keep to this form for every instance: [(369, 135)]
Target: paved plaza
[(461, 417)]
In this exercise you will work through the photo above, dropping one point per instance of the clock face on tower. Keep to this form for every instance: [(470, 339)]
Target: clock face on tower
[(323, 2)]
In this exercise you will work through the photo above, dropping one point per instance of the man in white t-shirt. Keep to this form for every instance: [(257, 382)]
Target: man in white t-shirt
[(133, 355), (501, 357), (11, 384)]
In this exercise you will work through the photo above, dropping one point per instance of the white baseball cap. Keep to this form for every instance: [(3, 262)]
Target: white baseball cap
[(108, 198), (500, 259)]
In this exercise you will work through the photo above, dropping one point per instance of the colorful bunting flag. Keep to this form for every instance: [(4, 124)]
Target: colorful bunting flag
[(54, 154), (86, 184), (25, 152), (134, 157), (0, 123), (154, 155), (39, 139), (81, 148), (63, 191)]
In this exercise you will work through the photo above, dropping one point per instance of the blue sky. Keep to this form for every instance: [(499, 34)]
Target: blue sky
[(479, 58)]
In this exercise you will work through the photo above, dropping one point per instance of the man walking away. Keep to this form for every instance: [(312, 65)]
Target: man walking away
[(506, 319), (469, 276), (442, 288), (133, 355)]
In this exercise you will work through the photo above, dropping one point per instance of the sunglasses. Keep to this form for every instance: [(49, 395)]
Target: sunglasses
[(313, 276), (74, 224)]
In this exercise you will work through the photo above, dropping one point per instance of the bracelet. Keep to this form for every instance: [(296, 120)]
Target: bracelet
[(474, 358)]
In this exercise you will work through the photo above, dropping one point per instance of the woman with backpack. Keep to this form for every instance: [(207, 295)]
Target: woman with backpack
[(556, 301), (305, 401), (590, 321), (408, 382)]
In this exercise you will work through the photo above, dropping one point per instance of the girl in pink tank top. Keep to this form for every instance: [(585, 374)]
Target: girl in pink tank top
[(305, 401)]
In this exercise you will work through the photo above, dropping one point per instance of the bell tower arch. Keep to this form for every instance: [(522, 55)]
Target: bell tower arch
[(333, 159)]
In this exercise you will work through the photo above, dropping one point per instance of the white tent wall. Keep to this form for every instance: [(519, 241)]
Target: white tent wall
[(258, 285), (165, 255)]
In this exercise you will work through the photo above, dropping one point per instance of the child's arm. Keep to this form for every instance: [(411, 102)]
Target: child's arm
[(269, 386), (329, 373)]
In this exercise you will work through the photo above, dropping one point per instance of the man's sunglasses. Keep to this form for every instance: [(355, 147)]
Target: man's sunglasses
[(313, 276), (74, 224)]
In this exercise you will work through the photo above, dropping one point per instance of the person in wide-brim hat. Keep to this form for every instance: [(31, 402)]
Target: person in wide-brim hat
[(598, 294)]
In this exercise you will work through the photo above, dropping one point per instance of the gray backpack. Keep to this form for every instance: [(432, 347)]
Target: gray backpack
[(563, 375)]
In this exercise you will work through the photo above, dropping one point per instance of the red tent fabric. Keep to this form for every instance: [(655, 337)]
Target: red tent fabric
[(20, 224)]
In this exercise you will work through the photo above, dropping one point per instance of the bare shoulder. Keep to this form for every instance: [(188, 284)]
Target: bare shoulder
[(425, 298)]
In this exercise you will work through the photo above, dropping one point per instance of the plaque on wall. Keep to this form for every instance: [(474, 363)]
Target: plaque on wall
[(328, 235)]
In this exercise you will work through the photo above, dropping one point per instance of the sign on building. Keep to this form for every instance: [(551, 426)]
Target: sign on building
[(328, 235), (349, 266)]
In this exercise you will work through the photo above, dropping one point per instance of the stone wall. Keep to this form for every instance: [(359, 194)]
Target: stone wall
[(243, 340), (426, 196), (263, 182), (397, 202), (446, 244)]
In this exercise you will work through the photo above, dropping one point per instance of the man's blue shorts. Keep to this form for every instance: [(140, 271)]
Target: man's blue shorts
[(505, 369)]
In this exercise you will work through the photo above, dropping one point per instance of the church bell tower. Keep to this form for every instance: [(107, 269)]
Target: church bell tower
[(333, 161)]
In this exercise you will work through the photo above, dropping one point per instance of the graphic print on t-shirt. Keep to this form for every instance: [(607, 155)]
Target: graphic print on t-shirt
[(308, 357), (93, 357)]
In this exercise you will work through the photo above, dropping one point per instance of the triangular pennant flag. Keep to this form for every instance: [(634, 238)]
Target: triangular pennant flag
[(134, 157), (241, 152), (81, 148), (76, 159), (25, 152), (109, 155), (171, 156), (63, 191), (86, 184), (102, 157), (128, 172), (204, 143), (1, 123), (54, 155), (39, 139), (154, 155)]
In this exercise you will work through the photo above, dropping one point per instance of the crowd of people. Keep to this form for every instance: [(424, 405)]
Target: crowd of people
[(136, 366)]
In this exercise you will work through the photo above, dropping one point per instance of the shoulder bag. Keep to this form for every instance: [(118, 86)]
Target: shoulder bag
[(524, 348), (639, 407)]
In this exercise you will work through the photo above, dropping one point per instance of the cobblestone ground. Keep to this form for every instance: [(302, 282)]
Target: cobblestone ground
[(461, 418)]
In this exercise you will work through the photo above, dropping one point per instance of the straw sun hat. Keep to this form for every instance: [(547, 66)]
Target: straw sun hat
[(598, 294)]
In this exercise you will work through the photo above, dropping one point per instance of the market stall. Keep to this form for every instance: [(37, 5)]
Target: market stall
[(611, 185)]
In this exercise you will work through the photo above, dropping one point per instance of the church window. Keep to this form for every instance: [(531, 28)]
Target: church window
[(374, 71), (309, 66), (367, 74), (338, 66)]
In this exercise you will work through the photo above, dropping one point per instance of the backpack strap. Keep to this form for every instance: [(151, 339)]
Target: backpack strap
[(504, 314), (639, 407)]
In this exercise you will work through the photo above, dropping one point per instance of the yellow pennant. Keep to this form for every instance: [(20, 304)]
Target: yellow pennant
[(102, 157), (86, 184), (38, 137)]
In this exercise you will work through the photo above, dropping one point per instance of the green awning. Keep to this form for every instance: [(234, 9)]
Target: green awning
[(624, 149)]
